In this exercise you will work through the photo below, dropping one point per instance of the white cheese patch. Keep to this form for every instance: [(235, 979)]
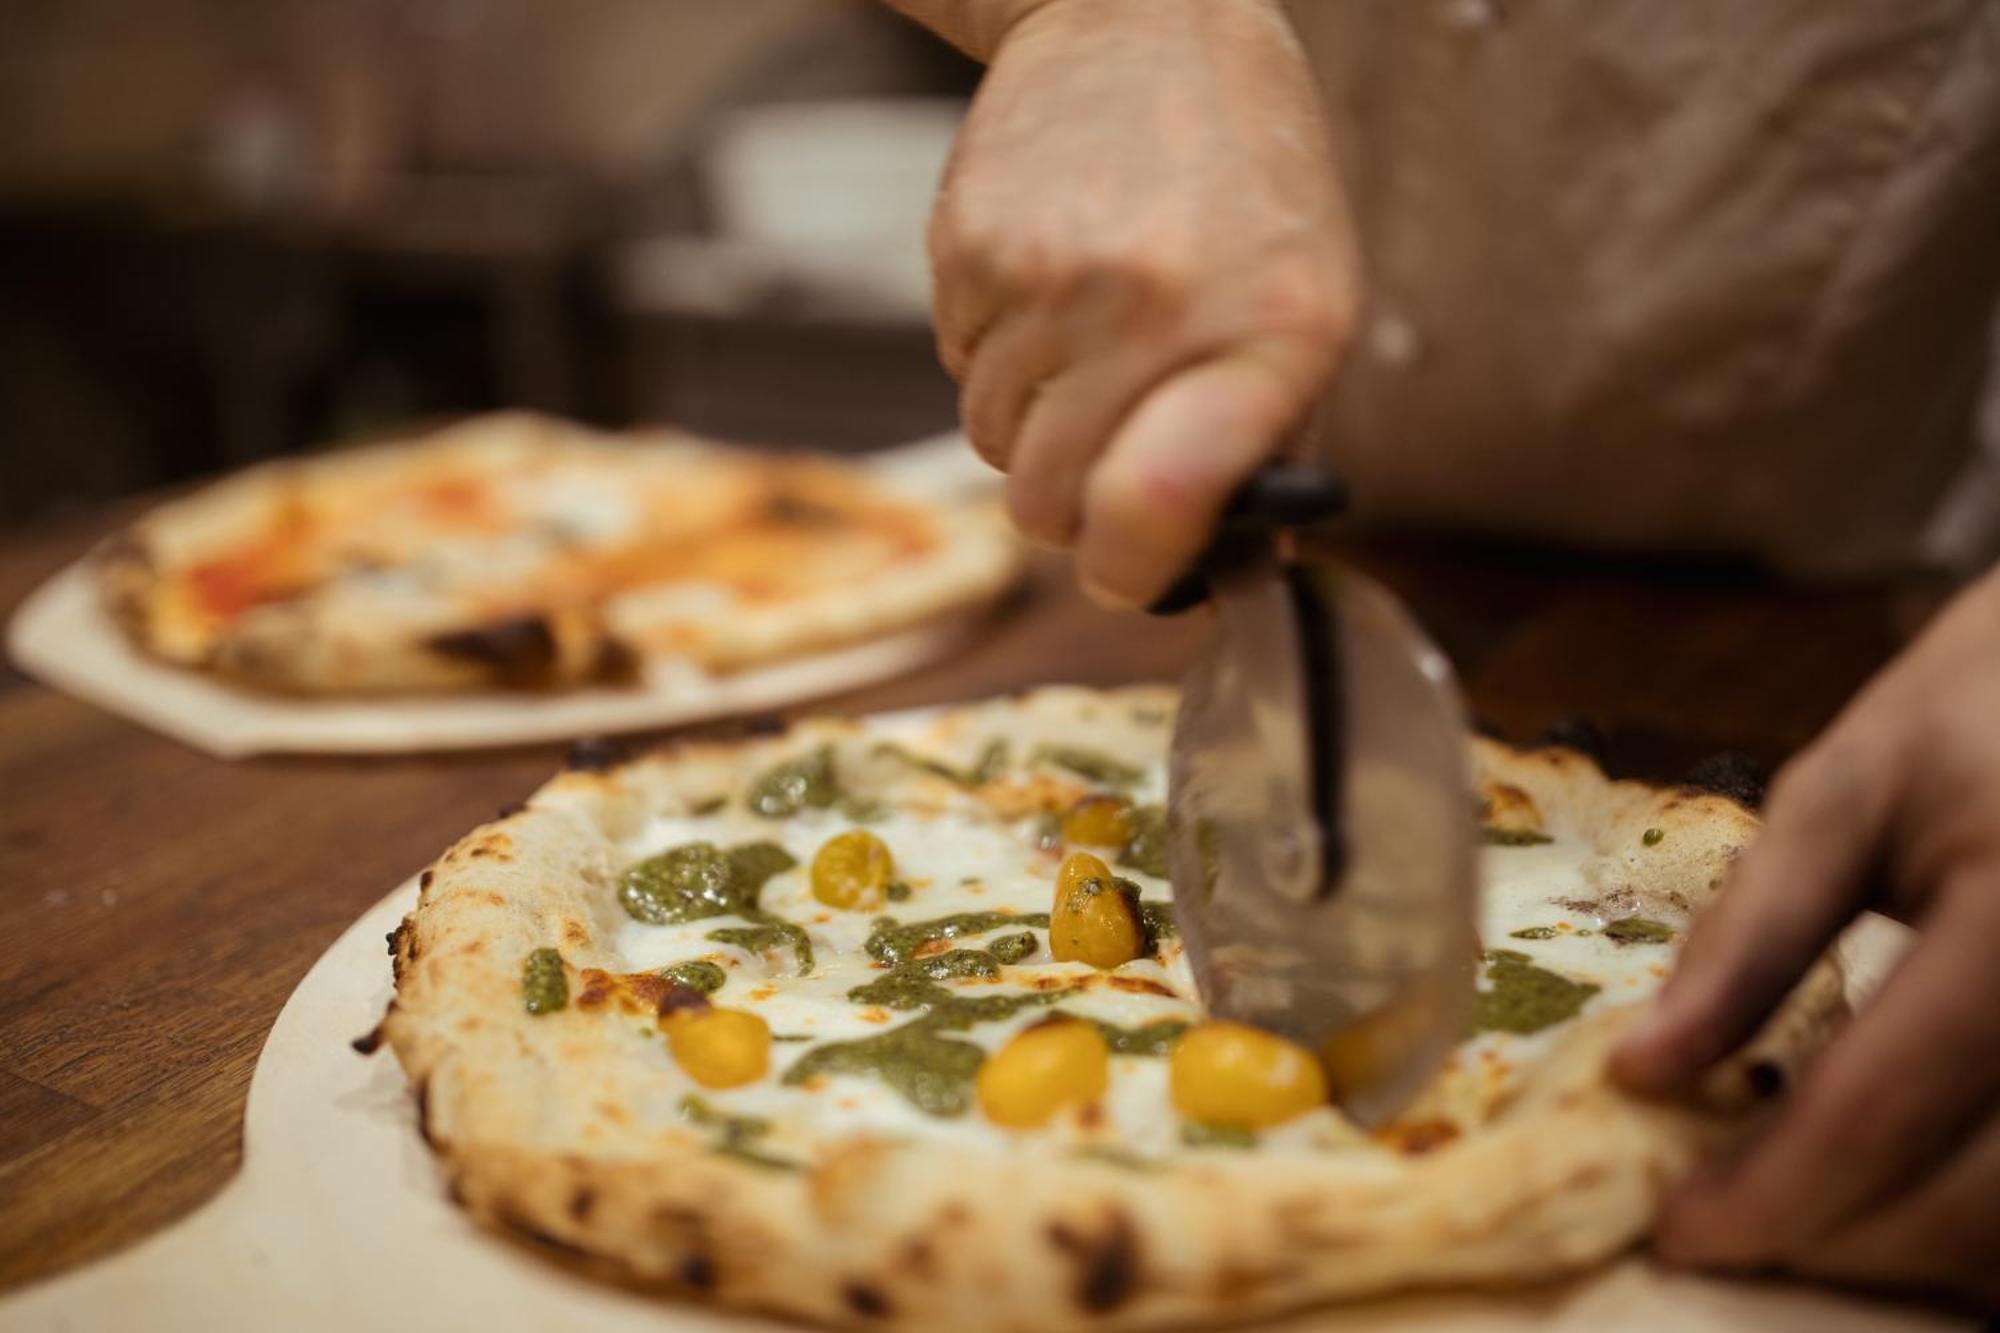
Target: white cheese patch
[(585, 507)]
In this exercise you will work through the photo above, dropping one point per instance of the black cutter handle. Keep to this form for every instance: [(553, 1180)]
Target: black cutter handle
[(1277, 497)]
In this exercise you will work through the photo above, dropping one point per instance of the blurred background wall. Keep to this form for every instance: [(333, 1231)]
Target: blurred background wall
[(236, 228)]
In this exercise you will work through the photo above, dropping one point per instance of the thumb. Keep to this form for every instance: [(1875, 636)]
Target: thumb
[(1152, 501)]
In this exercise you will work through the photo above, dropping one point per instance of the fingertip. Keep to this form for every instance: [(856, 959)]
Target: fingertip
[(1656, 1056), (1104, 595), (1706, 1223), (1638, 1065)]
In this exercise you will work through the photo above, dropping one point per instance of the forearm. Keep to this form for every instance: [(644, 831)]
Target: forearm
[(975, 27)]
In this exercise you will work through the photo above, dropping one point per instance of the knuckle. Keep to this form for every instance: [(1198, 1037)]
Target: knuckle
[(1303, 300), (1152, 279)]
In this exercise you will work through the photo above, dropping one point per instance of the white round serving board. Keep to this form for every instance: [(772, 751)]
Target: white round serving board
[(338, 1223), (62, 636)]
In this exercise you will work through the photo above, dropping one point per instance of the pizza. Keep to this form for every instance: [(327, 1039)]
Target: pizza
[(518, 551), (885, 1022)]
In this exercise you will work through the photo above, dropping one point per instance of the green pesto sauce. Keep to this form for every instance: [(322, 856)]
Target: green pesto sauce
[(897, 892), (736, 1135), (792, 786), (1149, 1039), (707, 805), (1013, 948), (1146, 850), (1092, 764), (894, 941), (1522, 998), (1195, 1134), (1652, 837), (932, 1072), (767, 936), (929, 1070), (697, 974), (1512, 837), (698, 879), (991, 763), (1534, 933), (1639, 930), (913, 984), (863, 809), (544, 987), (994, 760), (754, 863)]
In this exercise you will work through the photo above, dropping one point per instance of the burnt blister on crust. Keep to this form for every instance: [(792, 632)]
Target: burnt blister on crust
[(1574, 731), (617, 662), (520, 650), (866, 1299), (595, 754), (402, 947), (765, 724), (697, 1271), (517, 1219), (1107, 1261), (423, 1091), (1732, 774), (1765, 1077)]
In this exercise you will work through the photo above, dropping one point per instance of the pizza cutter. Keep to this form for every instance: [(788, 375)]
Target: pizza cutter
[(1321, 836)]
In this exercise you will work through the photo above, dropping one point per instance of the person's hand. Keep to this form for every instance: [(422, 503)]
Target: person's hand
[(1884, 1166), (1143, 271)]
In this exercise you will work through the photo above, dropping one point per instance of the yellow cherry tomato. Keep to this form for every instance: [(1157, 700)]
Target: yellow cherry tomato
[(1093, 921), (1234, 1076), (1039, 1071), (719, 1048), (852, 871), (1099, 821)]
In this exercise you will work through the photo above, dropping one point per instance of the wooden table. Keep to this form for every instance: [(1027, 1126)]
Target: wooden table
[(157, 906)]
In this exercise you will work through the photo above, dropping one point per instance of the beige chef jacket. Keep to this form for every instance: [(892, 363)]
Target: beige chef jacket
[(1708, 274)]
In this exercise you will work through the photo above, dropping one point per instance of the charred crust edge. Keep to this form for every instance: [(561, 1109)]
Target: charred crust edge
[(402, 947), (423, 1092), (1730, 773), (866, 1299), (1574, 731), (596, 754)]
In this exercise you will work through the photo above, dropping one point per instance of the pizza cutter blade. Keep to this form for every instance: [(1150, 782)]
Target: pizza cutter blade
[(1321, 838)]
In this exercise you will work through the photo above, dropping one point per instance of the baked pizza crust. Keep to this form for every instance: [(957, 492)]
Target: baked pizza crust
[(369, 636), (919, 1235)]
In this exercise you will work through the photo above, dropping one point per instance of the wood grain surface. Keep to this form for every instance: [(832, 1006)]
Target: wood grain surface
[(157, 906)]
